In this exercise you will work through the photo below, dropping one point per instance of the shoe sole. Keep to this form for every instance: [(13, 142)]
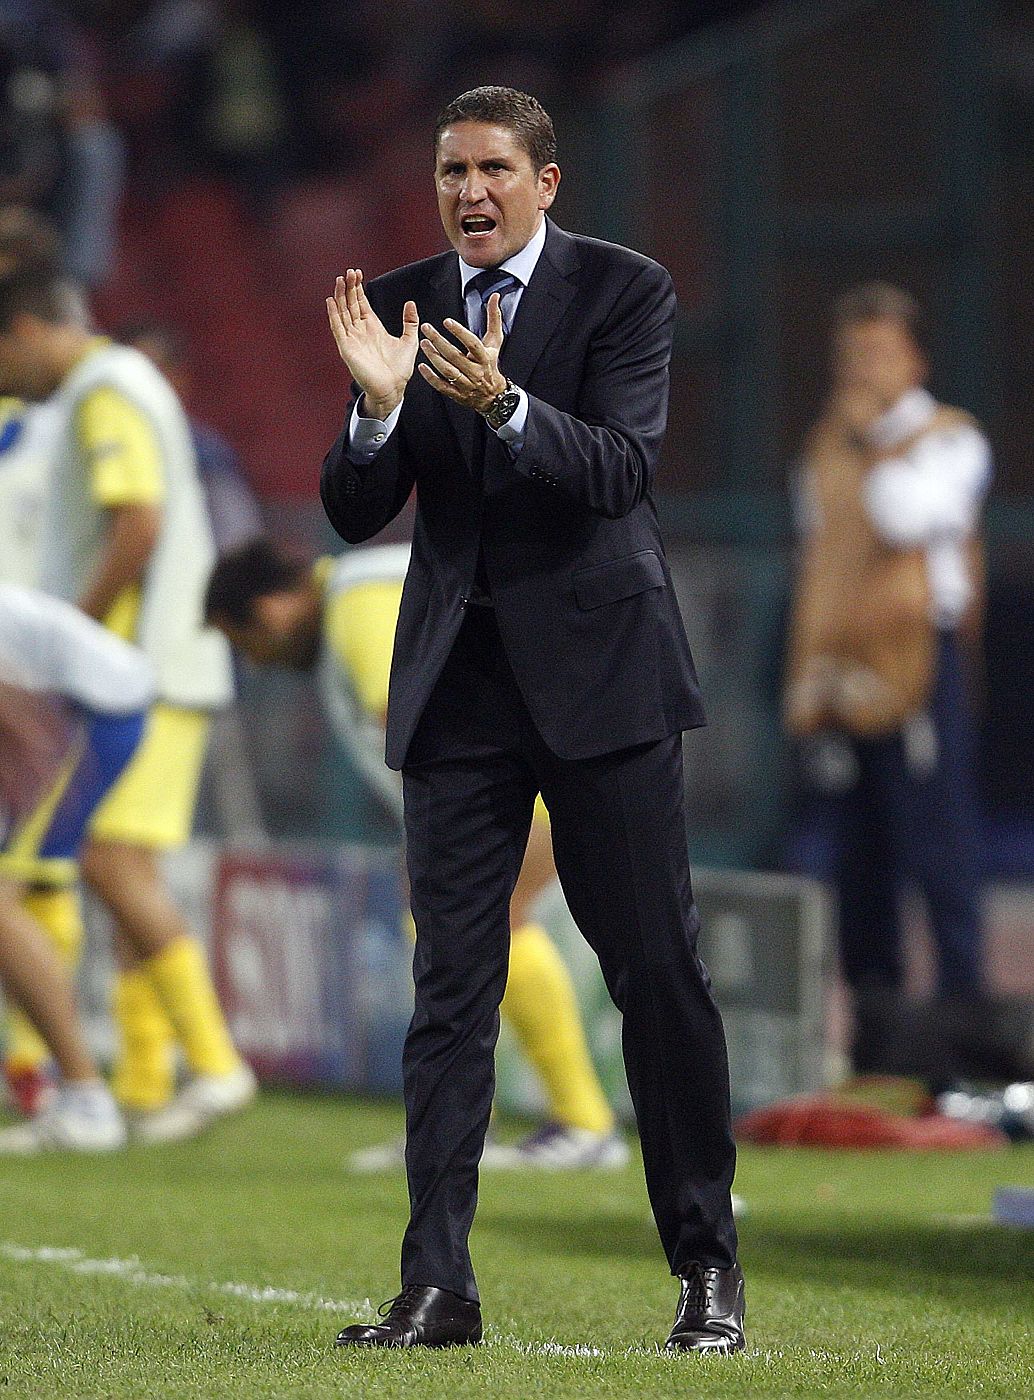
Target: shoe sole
[(193, 1122), (706, 1348), (412, 1346)]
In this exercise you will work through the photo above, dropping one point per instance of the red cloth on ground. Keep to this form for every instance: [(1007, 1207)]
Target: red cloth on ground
[(826, 1120)]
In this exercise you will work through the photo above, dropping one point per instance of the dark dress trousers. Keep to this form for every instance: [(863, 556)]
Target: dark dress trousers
[(576, 682)]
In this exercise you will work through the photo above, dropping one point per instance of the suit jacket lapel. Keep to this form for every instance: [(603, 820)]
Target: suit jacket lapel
[(542, 305), (446, 299)]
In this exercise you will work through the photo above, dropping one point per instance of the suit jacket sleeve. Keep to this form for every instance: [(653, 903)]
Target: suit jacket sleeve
[(361, 500), (605, 455)]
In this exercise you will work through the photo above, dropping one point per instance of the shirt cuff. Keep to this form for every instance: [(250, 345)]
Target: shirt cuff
[(366, 436), (512, 431)]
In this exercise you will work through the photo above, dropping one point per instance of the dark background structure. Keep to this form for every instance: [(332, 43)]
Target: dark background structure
[(243, 153)]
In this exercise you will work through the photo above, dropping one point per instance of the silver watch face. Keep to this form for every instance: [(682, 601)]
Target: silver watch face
[(503, 408)]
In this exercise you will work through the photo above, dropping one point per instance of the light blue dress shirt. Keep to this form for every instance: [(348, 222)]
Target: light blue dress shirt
[(366, 436)]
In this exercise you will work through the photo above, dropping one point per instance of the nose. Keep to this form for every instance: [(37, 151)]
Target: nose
[(473, 186)]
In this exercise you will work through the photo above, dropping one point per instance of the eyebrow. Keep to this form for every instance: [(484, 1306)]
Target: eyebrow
[(445, 163)]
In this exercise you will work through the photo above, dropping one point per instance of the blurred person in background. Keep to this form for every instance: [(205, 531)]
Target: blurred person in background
[(227, 797), (59, 152), (887, 604), (128, 541), (73, 704), (28, 438), (27, 430), (195, 88), (233, 511), (338, 620)]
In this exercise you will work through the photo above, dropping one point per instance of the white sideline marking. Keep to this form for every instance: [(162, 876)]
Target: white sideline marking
[(132, 1271), (547, 1348)]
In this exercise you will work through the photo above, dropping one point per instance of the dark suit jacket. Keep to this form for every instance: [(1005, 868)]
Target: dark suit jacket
[(568, 530)]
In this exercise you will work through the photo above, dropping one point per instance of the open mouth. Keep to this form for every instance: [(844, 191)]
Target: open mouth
[(477, 225)]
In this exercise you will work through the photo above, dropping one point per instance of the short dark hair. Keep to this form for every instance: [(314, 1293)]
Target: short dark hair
[(251, 571), (35, 291), (880, 301), (519, 112)]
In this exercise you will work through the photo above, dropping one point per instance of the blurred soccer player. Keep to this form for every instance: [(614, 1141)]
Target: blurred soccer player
[(889, 588), (339, 620), (27, 442), (232, 508), (127, 539), (26, 430), (73, 702)]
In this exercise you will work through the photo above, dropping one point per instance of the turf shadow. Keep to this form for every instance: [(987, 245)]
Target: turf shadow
[(614, 1235), (984, 1260)]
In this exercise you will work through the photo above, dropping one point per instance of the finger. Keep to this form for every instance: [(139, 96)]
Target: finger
[(436, 381), (336, 324), (341, 300), (410, 321), (494, 328), (351, 295), (339, 295), (448, 369), (467, 338), (365, 309), (445, 348)]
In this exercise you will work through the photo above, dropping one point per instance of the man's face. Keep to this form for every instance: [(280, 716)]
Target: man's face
[(878, 358), (279, 633), (26, 364), (490, 198)]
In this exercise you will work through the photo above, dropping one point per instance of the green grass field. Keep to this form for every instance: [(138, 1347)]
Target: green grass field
[(214, 1269)]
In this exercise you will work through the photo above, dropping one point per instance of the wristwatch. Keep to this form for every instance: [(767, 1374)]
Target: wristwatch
[(503, 406)]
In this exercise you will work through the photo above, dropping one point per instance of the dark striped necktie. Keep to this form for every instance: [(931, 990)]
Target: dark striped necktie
[(493, 279)]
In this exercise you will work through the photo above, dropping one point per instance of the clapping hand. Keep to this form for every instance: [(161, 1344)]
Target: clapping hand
[(469, 376), (380, 362)]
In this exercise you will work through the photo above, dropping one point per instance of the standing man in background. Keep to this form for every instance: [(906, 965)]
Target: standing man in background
[(888, 596), (539, 649), (127, 540)]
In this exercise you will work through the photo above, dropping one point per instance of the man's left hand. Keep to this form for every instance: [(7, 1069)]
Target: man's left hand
[(469, 375)]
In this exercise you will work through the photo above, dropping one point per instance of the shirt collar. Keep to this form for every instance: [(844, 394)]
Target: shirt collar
[(909, 415), (521, 264)]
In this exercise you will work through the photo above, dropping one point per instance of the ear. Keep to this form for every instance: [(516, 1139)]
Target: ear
[(548, 178)]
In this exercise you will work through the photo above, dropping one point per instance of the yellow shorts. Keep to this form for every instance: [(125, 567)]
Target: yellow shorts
[(152, 804), (43, 848)]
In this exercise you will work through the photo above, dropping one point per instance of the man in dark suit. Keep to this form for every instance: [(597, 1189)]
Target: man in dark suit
[(539, 648)]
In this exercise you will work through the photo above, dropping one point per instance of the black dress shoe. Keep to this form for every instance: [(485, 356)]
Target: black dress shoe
[(709, 1316), (419, 1317)]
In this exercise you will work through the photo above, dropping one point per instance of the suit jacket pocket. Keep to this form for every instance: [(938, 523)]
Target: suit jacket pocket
[(618, 578)]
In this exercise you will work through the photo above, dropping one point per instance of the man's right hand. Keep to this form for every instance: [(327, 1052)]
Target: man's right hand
[(381, 363)]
